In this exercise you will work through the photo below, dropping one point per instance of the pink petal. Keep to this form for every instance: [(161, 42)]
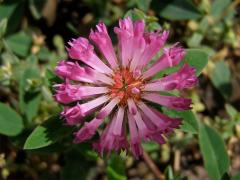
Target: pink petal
[(90, 105), (132, 107), (119, 122), (87, 131), (105, 111), (184, 78), (154, 42), (171, 57), (156, 120), (81, 49), (172, 102), (73, 115), (143, 130), (104, 43), (160, 85), (67, 93), (110, 141), (73, 71), (135, 140)]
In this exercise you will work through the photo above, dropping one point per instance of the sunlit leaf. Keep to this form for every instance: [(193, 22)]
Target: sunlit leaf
[(51, 131)]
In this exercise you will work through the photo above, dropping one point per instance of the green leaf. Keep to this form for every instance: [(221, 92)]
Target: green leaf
[(19, 140), (29, 100), (166, 71), (196, 58), (47, 133), (216, 160), (232, 112), (32, 106), (51, 78), (143, 4), (218, 7), (225, 176), (11, 124), (176, 9), (195, 40), (169, 174), (3, 27), (43, 54), (8, 8), (236, 176), (116, 168), (153, 26), (135, 14), (19, 43), (36, 7), (150, 146), (189, 124), (221, 77), (53, 148), (13, 11)]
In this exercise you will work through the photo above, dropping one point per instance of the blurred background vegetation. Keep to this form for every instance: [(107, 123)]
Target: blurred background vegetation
[(33, 34)]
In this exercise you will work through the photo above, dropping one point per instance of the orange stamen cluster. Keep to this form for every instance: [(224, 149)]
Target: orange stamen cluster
[(124, 83)]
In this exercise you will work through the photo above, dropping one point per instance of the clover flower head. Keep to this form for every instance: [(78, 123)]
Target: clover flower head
[(119, 88)]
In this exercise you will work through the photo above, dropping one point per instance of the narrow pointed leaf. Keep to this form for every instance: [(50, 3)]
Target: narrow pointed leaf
[(216, 160)]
